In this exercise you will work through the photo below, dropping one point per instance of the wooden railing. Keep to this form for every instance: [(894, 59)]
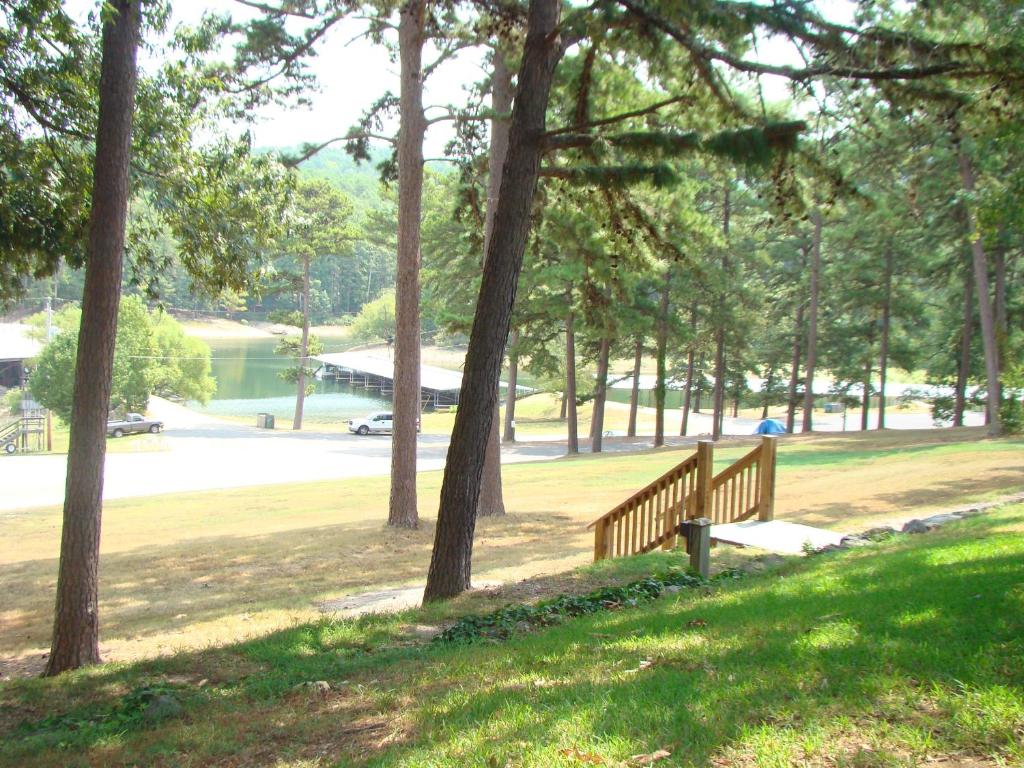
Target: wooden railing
[(746, 488), (654, 516)]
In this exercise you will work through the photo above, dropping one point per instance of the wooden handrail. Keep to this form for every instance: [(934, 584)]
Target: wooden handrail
[(655, 515)]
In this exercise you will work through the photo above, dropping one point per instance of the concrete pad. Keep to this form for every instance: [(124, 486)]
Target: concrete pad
[(775, 536)]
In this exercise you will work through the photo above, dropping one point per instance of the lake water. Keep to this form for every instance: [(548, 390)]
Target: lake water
[(248, 382)]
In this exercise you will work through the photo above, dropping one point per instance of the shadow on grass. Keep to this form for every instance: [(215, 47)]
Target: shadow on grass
[(917, 644), (905, 633), (155, 591)]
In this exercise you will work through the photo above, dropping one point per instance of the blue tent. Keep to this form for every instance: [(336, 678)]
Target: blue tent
[(770, 427)]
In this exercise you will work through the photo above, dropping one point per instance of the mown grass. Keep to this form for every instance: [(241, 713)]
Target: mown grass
[(190, 570), (893, 655)]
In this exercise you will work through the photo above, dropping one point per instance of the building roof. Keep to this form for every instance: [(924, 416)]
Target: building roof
[(15, 343), (431, 377)]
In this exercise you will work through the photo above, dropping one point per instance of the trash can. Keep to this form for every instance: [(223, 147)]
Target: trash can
[(270, 421), (265, 420)]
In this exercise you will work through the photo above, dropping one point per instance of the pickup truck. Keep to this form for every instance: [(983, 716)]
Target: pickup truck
[(133, 422)]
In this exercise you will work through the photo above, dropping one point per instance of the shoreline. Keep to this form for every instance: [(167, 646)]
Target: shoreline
[(220, 328)]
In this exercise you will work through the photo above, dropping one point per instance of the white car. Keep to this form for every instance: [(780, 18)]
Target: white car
[(375, 422)]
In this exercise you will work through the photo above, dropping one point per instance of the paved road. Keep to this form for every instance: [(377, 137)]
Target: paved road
[(203, 453), (212, 455)]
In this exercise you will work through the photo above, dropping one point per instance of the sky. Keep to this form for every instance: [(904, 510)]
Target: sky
[(352, 73)]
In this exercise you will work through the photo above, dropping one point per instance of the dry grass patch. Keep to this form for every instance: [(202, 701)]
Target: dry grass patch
[(204, 569)]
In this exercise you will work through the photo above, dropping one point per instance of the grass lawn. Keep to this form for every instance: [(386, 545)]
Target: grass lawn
[(191, 570), (903, 653)]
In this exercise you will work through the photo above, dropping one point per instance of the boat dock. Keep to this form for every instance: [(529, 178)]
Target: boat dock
[(439, 387)]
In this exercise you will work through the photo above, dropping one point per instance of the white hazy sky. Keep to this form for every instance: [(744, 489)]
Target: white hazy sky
[(353, 73)]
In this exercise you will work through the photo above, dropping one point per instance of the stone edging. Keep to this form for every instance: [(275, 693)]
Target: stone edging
[(920, 525)]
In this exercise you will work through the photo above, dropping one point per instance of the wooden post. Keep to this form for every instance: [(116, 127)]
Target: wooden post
[(705, 473), (599, 539), (698, 544), (766, 503)]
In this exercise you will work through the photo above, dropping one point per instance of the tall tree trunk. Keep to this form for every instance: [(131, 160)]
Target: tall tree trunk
[(634, 395), (510, 395), (988, 330), (812, 325), (451, 559), (865, 399), (76, 615), (685, 423), (406, 399), (492, 502), (716, 427), (573, 440), (883, 361), (769, 382), (963, 365), (300, 384), (999, 302), (600, 395), (719, 391), (661, 384), (794, 369), (700, 387)]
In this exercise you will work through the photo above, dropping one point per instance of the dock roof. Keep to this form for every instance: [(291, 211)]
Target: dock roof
[(431, 377)]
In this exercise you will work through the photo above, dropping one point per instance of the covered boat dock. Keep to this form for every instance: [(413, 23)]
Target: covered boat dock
[(439, 387)]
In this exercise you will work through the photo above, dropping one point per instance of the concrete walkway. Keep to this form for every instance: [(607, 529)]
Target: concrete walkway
[(775, 536)]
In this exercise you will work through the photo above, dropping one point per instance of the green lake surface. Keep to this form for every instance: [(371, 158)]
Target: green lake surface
[(249, 382)]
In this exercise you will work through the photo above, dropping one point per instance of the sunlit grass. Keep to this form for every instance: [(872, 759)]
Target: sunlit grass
[(193, 569), (814, 664)]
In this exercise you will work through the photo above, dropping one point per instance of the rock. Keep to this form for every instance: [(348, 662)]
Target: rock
[(771, 561), (523, 626), (857, 540), (316, 687), (878, 534), (671, 589), (826, 548), (936, 520), (972, 512), (162, 707), (915, 526)]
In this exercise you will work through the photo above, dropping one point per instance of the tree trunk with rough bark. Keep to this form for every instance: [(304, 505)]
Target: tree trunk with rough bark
[(999, 302), (794, 369), (988, 330), (685, 423), (865, 398), (573, 439), (963, 364), (769, 383), (634, 395), (75, 640), (492, 501), (812, 324), (451, 559), (662, 351), (600, 395), (300, 385), (510, 395), (719, 394), (406, 405), (700, 387), (883, 357)]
